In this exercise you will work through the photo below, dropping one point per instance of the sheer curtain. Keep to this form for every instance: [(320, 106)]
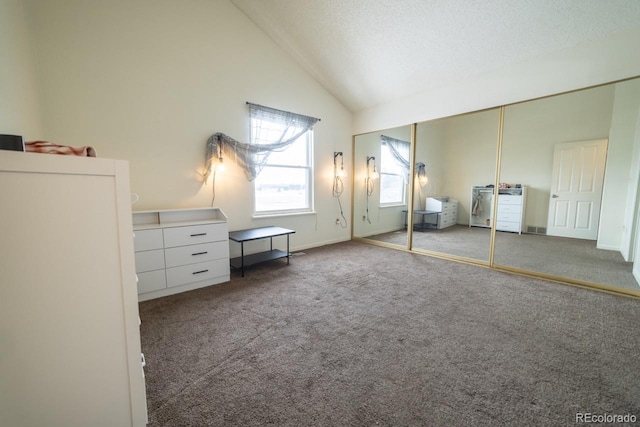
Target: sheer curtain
[(271, 130), (399, 150)]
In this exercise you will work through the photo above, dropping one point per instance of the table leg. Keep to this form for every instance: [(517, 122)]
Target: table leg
[(242, 258), (287, 249)]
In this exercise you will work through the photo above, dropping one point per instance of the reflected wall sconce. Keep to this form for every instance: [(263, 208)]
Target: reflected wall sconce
[(421, 174), (368, 181), (338, 172), (338, 185)]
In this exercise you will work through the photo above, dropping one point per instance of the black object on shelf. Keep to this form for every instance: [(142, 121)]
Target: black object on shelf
[(11, 142)]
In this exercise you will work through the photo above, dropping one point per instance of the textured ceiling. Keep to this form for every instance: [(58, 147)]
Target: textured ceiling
[(370, 52)]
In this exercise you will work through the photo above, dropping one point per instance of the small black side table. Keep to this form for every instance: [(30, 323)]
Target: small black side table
[(270, 232), (423, 224)]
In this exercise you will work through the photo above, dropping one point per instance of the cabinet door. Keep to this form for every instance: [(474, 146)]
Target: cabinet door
[(69, 318)]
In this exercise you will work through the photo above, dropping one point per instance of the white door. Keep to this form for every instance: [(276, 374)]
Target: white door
[(576, 189)]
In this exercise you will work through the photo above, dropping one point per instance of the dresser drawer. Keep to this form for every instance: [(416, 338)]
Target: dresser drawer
[(508, 199), (508, 226), (191, 235), (510, 208), (149, 260), (449, 206), (145, 240), (508, 216), (151, 281), (446, 222), (196, 272), (192, 254)]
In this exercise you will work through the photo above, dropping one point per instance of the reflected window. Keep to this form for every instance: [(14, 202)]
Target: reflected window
[(394, 162)]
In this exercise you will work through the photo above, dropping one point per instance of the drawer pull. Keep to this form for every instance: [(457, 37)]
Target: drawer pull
[(201, 271), (198, 234), (200, 253)]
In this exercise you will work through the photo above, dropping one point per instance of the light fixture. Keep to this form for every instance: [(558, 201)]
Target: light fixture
[(220, 166), (374, 173), (421, 174), (338, 172), (368, 181), (338, 185)]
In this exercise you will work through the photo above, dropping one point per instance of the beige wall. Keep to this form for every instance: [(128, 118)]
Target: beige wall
[(19, 108), (386, 218), (149, 81), (460, 152), (532, 129)]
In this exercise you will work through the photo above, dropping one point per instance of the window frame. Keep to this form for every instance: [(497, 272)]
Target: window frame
[(309, 173), (386, 155)]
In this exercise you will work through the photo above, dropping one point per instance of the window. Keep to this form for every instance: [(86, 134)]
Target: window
[(392, 181), (284, 182)]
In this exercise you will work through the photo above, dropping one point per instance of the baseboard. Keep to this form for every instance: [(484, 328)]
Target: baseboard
[(318, 244), (608, 248)]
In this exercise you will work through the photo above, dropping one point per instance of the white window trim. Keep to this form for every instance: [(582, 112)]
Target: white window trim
[(311, 191)]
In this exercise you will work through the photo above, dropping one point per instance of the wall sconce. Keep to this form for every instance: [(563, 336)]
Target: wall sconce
[(421, 174), (338, 172), (374, 174), (220, 166)]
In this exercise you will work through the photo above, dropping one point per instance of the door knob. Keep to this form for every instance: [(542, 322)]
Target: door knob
[(555, 196)]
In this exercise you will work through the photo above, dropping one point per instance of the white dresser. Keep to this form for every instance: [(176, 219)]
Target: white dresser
[(447, 210), (180, 250), (511, 204)]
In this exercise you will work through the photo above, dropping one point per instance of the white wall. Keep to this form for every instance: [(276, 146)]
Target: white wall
[(19, 108), (149, 81), (618, 166), (587, 64)]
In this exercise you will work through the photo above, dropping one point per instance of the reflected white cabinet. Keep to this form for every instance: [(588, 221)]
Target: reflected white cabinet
[(180, 250), (511, 203), (69, 328), (447, 210), (510, 213)]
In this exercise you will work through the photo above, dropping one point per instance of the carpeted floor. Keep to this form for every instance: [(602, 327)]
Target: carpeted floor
[(559, 256), (358, 335)]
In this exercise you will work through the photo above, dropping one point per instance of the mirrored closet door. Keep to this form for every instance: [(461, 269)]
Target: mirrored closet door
[(569, 165), (454, 180), (381, 166)]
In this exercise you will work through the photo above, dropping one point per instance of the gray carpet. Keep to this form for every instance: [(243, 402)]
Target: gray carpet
[(559, 256), (358, 335)]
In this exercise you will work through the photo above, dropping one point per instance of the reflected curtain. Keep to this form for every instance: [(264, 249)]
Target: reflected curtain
[(399, 149)]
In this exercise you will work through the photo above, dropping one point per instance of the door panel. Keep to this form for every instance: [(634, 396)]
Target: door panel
[(576, 189)]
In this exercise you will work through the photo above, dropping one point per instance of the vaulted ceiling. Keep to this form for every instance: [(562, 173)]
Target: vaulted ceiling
[(371, 52)]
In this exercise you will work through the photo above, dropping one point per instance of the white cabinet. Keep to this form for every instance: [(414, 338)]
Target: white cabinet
[(180, 250), (447, 210), (70, 352), (510, 214), (510, 208)]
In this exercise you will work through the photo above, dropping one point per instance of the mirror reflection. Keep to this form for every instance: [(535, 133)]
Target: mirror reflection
[(576, 156), (381, 185), (453, 198)]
